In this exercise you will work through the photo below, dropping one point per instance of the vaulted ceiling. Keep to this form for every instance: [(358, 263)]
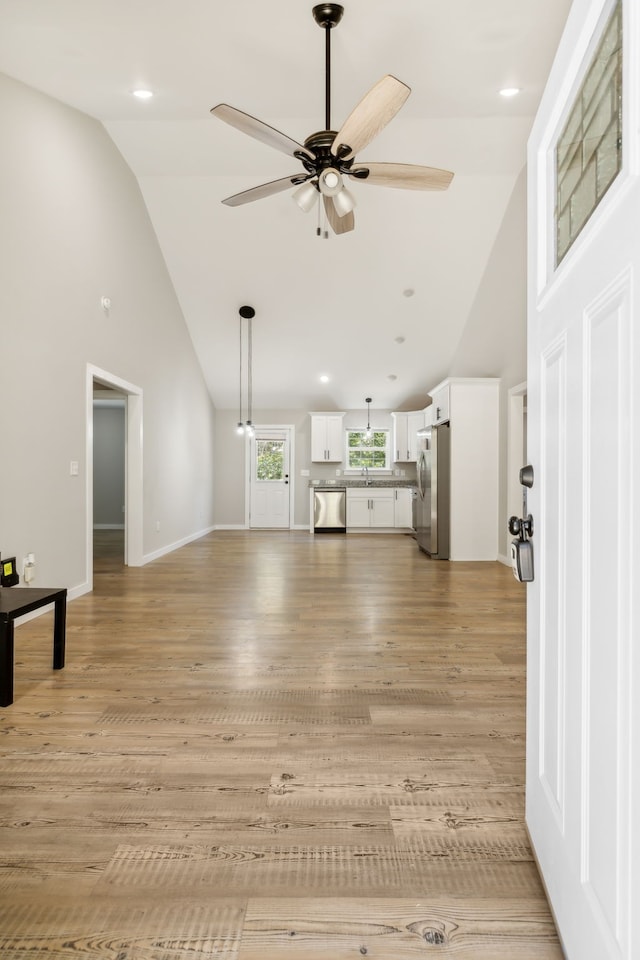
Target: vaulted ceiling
[(410, 270)]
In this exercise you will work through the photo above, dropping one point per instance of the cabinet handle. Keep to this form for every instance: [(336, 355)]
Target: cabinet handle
[(397, 454), (407, 454), (438, 413)]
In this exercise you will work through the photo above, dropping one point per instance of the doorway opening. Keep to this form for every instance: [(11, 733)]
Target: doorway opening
[(516, 450), (109, 488), (104, 386)]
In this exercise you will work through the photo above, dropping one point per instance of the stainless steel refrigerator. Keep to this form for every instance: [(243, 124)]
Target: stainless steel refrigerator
[(432, 531)]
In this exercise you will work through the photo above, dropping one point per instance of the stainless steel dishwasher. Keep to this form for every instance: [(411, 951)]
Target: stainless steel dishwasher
[(330, 510)]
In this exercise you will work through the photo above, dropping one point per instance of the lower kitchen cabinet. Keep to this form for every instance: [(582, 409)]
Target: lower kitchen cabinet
[(367, 507), (403, 508)]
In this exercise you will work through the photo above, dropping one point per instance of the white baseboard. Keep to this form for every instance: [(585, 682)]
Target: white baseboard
[(230, 526), (169, 548), (505, 560), (74, 592)]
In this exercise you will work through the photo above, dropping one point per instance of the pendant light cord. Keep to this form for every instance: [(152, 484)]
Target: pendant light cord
[(250, 371), (240, 377)]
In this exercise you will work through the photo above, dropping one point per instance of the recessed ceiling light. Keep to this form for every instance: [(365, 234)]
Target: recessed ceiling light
[(324, 378), (392, 376), (143, 94), (510, 92), (409, 292), (399, 339)]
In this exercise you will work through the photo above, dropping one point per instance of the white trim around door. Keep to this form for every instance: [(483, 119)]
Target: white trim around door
[(133, 466)]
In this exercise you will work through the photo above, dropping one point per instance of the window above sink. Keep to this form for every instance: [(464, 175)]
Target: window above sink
[(370, 453)]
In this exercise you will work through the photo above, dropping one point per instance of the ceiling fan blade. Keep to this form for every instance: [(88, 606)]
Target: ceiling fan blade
[(374, 112), (264, 190), (406, 176), (259, 130), (338, 224)]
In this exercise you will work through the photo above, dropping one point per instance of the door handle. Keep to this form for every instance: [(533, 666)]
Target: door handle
[(522, 548), (521, 528)]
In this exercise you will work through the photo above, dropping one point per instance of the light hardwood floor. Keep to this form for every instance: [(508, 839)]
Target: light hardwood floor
[(269, 745)]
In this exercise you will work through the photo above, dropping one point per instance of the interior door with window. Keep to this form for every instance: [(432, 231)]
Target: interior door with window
[(270, 487), (583, 666)]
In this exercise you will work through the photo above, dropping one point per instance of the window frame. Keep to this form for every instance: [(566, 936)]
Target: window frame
[(387, 468), (576, 115)]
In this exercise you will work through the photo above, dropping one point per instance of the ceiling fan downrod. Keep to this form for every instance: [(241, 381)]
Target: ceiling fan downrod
[(327, 16)]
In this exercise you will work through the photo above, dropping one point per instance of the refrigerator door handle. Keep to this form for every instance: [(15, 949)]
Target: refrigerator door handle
[(421, 474)]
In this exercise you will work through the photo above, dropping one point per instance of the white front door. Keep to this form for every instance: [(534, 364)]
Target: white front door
[(270, 482), (583, 724)]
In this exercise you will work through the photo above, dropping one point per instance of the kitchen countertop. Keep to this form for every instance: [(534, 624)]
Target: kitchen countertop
[(360, 482)]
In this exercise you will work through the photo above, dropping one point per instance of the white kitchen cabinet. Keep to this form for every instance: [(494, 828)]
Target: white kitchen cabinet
[(403, 508), (440, 402), (471, 405), (368, 507), (405, 429), (327, 437)]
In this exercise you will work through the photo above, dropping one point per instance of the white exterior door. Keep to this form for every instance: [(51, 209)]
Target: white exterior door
[(583, 724), (270, 481)]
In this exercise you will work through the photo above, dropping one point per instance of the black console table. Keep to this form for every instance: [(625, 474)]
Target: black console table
[(16, 602)]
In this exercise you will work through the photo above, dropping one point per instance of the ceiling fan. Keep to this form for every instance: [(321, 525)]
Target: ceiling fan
[(328, 157)]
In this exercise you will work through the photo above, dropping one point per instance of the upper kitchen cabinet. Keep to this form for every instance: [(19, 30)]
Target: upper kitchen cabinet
[(440, 402), (405, 440), (327, 437)]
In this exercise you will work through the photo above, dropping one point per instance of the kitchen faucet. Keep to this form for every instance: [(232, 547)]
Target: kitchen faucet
[(365, 471)]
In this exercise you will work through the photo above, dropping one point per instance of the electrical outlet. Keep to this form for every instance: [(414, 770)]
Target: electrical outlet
[(29, 568)]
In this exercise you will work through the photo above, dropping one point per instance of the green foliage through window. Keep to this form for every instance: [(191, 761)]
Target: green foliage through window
[(369, 452), (269, 459)]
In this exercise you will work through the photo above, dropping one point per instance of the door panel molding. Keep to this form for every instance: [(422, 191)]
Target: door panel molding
[(607, 703), (553, 547)]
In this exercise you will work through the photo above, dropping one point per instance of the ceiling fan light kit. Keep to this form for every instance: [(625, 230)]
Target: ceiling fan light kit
[(306, 196), (330, 182), (328, 156), (344, 202)]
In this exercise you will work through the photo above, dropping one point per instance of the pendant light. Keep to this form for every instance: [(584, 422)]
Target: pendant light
[(368, 432), (246, 313), (249, 424), (240, 424)]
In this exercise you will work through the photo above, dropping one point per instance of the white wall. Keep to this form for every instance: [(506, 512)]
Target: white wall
[(74, 228), (494, 340)]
